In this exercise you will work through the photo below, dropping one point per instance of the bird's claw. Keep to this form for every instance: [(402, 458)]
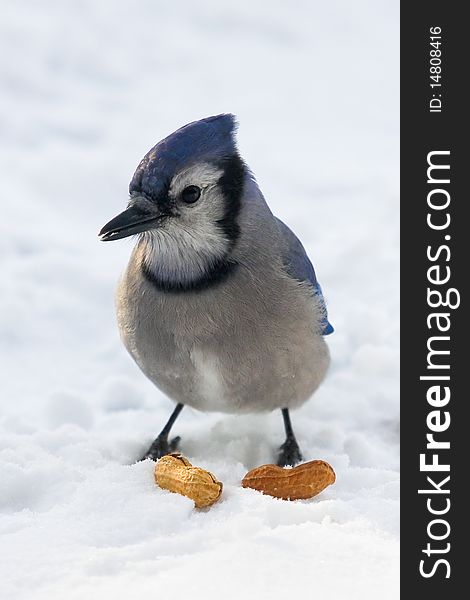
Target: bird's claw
[(161, 447), (289, 453)]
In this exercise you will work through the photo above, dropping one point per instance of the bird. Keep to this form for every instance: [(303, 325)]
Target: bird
[(219, 305)]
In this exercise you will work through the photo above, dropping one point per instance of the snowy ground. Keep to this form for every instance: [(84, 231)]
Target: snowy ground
[(87, 88)]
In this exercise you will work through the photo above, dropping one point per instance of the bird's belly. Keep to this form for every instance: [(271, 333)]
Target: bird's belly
[(217, 380), (184, 371), (211, 390), (200, 357), (233, 377), (194, 377)]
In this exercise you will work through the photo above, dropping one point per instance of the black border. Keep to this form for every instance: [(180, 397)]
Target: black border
[(422, 132)]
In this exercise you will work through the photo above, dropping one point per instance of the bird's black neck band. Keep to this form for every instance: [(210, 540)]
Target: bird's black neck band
[(218, 273)]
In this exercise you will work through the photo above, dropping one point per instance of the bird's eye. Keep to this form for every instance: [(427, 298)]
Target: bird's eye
[(191, 194)]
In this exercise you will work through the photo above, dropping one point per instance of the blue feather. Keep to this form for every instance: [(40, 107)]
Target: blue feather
[(298, 266), (210, 139)]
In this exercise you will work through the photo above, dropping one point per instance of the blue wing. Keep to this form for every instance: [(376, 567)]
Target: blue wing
[(298, 265)]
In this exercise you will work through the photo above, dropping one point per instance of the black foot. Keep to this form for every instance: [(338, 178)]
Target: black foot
[(289, 453), (160, 447)]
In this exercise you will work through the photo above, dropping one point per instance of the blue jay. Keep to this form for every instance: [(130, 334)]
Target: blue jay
[(219, 305)]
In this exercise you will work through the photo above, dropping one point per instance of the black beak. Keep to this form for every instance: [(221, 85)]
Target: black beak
[(133, 220)]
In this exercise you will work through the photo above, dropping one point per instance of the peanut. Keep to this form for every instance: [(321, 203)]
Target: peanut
[(301, 482), (175, 473)]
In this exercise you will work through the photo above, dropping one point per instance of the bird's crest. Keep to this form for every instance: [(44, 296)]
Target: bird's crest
[(211, 139)]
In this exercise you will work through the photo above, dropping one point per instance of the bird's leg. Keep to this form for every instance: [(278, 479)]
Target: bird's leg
[(160, 446), (289, 452)]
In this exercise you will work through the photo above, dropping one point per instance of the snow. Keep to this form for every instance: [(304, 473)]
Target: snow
[(88, 88)]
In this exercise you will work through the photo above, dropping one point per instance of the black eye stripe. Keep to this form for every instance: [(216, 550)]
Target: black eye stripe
[(191, 194)]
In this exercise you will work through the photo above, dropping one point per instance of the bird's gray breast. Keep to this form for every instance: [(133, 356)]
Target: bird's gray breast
[(239, 346)]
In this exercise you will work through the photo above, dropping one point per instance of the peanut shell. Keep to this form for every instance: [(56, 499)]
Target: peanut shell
[(301, 482), (175, 473)]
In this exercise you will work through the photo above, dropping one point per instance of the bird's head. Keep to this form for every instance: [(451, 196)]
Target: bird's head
[(185, 198)]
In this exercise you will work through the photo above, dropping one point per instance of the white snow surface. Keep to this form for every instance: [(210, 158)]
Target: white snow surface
[(87, 88)]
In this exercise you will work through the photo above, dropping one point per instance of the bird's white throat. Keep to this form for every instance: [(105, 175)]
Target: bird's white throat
[(176, 254)]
